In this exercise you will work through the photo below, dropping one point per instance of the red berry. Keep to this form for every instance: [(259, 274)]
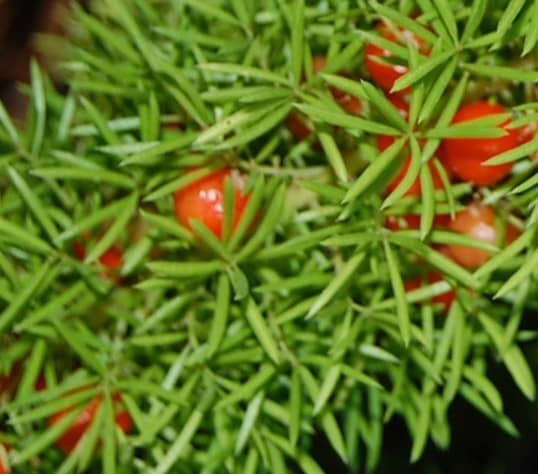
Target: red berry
[(348, 102), (445, 299), (384, 141), (4, 469), (412, 221), (111, 259), (69, 440), (204, 200), (9, 381), (380, 62), (464, 157), (319, 62), (478, 221), (298, 126), (416, 188)]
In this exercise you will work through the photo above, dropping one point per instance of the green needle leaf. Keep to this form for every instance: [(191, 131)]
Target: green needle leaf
[(251, 415), (422, 70), (297, 42), (374, 171), (23, 297), (513, 358), (399, 293), (520, 276), (40, 107), (327, 388), (262, 331), (502, 72), (220, 318), (98, 175), (340, 279), (333, 156), (33, 203)]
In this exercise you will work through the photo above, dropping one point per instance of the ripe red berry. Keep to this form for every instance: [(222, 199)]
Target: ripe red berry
[(478, 221), (415, 188), (445, 299), (204, 200), (384, 141), (381, 64), (69, 440), (412, 221), (4, 469), (298, 125), (348, 102), (8, 382), (464, 157), (111, 260)]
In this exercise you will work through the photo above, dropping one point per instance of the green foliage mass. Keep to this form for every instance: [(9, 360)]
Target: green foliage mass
[(231, 354)]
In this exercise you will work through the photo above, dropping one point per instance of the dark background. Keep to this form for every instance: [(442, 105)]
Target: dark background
[(477, 447)]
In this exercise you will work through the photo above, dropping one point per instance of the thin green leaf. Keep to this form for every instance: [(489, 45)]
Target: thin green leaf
[(327, 388), (24, 296), (399, 293), (374, 171), (114, 231), (39, 105), (420, 435), (520, 276), (513, 357), (297, 42), (249, 420), (245, 71), (340, 279), (424, 68), (261, 331), (502, 72), (220, 318), (333, 156)]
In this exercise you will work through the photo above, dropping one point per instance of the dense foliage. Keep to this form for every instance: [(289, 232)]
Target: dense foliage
[(229, 346)]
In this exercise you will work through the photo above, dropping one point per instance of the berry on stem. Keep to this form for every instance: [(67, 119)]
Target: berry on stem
[(298, 125), (384, 141), (412, 221), (348, 102), (478, 221), (445, 299), (380, 63), (111, 260), (204, 200), (416, 188), (464, 157), (3, 468), (69, 440)]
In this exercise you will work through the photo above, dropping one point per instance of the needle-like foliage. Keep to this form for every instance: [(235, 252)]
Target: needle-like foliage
[(231, 353)]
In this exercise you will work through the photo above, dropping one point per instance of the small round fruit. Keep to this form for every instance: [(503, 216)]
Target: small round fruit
[(111, 260), (444, 299), (299, 126), (348, 102), (478, 221), (416, 188), (69, 440), (3, 466), (412, 221), (384, 141), (380, 62), (464, 157), (204, 200)]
